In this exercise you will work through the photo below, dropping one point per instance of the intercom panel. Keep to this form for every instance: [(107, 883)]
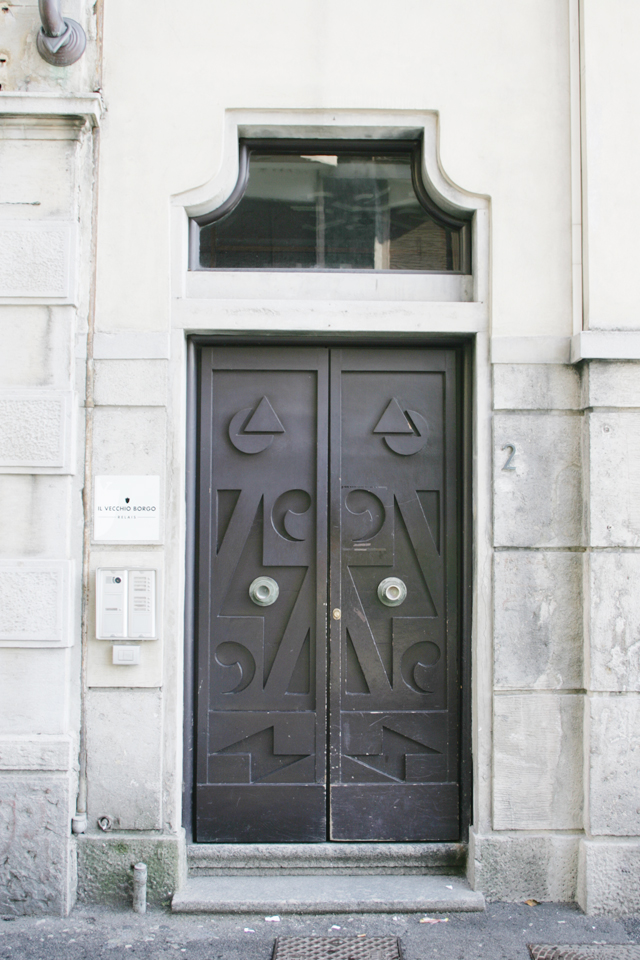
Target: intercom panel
[(142, 604), (126, 602), (111, 604)]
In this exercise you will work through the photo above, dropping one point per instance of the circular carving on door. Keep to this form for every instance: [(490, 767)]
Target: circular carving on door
[(247, 443), (253, 434), (392, 592), (264, 591), (405, 431), (407, 445)]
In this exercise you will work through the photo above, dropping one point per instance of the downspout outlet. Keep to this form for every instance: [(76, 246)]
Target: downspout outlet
[(79, 823), (60, 41)]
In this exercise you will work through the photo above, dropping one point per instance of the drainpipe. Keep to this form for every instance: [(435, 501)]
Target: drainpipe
[(60, 41), (79, 822)]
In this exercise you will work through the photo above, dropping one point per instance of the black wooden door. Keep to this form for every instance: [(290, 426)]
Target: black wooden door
[(328, 674)]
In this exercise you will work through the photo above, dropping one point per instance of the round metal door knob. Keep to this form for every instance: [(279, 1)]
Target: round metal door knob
[(264, 591), (392, 592)]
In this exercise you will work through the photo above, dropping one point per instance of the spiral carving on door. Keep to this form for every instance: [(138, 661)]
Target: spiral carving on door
[(369, 513), (235, 655), (415, 665), (290, 515)]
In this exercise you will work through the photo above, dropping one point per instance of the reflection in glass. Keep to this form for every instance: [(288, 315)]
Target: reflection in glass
[(346, 212)]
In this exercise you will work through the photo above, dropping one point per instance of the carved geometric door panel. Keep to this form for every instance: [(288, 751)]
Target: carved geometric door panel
[(394, 701), (261, 654), (293, 577)]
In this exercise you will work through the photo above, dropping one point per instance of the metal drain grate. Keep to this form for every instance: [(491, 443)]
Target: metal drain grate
[(544, 952), (587, 951), (337, 948)]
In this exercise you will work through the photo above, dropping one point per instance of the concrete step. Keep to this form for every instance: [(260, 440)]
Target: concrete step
[(326, 894), (259, 859)]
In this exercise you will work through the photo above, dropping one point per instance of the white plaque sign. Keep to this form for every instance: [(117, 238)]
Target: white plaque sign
[(126, 509)]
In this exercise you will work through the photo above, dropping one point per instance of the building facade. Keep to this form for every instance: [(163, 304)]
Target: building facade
[(523, 119)]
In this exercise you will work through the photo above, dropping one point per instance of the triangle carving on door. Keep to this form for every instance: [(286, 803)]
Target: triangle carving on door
[(264, 420), (393, 420)]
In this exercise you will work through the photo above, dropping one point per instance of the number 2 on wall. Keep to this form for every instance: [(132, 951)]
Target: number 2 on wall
[(508, 465)]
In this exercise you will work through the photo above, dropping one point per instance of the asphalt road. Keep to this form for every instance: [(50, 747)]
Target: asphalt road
[(502, 932)]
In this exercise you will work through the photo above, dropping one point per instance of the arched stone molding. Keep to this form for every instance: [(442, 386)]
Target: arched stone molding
[(347, 125)]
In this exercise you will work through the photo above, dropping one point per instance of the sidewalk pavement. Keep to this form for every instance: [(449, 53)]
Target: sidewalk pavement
[(502, 932)]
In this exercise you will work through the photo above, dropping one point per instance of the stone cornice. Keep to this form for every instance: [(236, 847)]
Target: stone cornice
[(19, 104)]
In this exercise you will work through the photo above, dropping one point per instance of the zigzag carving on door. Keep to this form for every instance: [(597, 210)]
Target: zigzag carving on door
[(262, 727), (278, 750), (393, 663)]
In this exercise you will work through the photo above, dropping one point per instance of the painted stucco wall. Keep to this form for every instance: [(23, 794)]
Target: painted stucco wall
[(497, 72), (532, 108)]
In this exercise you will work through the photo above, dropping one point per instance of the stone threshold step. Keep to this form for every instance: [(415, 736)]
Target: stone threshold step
[(223, 859), (326, 894)]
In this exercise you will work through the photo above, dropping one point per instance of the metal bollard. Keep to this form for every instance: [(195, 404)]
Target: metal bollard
[(140, 888)]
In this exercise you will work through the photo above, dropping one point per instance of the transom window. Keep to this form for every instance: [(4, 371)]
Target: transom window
[(322, 205)]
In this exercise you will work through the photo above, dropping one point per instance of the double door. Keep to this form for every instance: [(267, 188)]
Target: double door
[(328, 634)]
